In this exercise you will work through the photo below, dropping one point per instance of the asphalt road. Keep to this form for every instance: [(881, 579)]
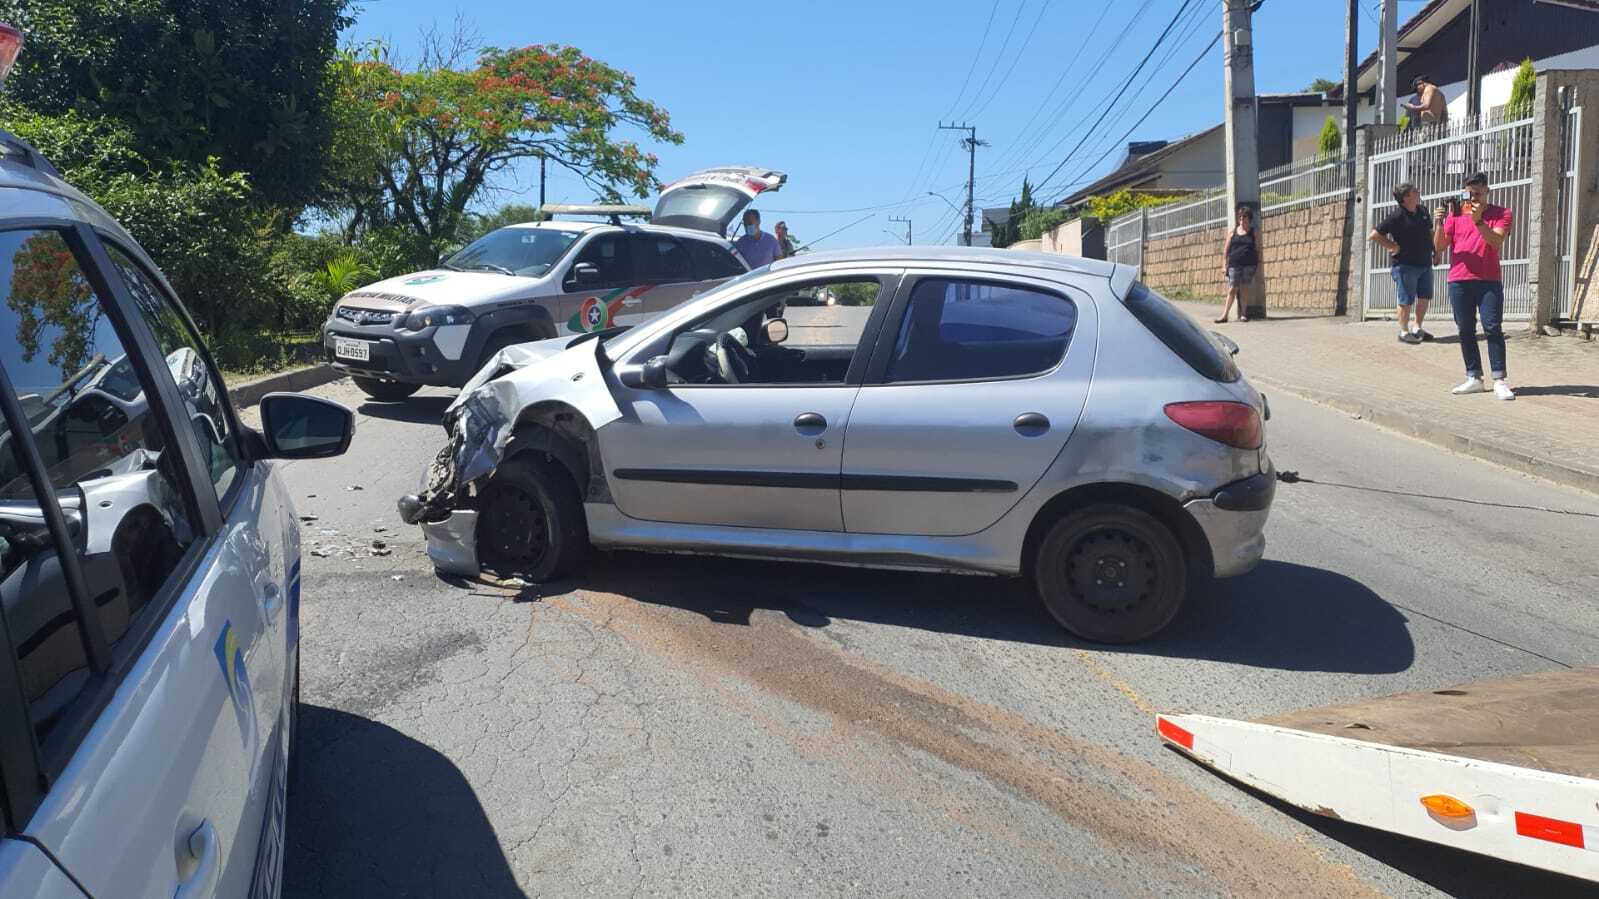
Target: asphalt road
[(679, 726)]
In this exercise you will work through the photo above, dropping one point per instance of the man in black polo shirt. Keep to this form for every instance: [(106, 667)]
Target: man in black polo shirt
[(1407, 236)]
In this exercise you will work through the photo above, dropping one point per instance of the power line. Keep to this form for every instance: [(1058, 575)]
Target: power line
[(1158, 41), (1152, 107), (998, 58), (1042, 8), (975, 57)]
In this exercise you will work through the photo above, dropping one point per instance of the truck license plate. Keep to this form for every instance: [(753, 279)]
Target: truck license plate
[(345, 348)]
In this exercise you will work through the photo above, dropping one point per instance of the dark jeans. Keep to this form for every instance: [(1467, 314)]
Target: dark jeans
[(1485, 299)]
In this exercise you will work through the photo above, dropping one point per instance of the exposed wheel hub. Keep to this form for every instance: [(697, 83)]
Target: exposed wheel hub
[(1111, 570), (515, 527)]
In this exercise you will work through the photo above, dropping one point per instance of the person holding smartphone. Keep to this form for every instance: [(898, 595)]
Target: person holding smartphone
[(1474, 231), (1406, 233)]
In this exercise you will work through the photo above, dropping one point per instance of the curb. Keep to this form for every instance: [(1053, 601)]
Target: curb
[(1511, 457), (250, 393)]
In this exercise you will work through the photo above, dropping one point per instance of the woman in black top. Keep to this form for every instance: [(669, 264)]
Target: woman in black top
[(1242, 259)]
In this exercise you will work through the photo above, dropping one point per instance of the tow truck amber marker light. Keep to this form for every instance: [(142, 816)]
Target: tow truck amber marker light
[(10, 46), (1447, 806)]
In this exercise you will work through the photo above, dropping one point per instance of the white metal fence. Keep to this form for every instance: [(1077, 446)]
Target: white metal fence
[(1206, 210), (1305, 182), (1124, 239), (1566, 208), (1437, 161)]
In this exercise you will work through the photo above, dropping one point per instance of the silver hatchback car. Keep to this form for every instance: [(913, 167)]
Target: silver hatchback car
[(957, 410)]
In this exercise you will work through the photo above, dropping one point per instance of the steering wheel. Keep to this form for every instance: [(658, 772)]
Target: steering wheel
[(734, 359)]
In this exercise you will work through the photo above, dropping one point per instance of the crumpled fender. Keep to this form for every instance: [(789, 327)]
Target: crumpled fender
[(483, 417)]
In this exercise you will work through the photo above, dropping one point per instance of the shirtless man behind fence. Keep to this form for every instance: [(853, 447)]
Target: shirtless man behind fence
[(1432, 108)]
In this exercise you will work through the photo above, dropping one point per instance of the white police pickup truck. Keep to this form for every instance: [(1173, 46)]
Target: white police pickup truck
[(149, 571)]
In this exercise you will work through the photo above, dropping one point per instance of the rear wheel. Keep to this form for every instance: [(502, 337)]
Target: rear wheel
[(385, 391), (530, 520), (1111, 573)]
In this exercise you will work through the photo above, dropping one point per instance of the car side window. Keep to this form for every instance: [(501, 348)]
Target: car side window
[(612, 255), (712, 262), (88, 413), (662, 260), (959, 330), (202, 389)]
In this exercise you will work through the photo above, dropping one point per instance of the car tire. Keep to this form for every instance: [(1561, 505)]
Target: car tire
[(385, 391), (1111, 573), (530, 520)]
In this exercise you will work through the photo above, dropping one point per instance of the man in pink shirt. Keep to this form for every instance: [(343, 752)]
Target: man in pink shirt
[(1474, 231)]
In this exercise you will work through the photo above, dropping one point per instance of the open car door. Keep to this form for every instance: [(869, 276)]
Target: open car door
[(712, 199)]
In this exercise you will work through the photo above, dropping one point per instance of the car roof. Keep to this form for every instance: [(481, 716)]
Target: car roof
[(33, 188), (965, 255), (570, 225)]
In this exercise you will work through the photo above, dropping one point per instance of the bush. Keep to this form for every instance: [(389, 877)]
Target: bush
[(1331, 141), (1522, 90), (1040, 220), (1124, 201)]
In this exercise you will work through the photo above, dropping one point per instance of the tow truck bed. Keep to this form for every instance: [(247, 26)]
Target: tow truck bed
[(1506, 768)]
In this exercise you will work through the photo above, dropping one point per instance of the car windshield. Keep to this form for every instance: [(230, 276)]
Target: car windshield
[(529, 252)]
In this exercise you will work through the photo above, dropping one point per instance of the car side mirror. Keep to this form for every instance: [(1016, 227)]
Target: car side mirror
[(443, 258), (296, 426), (585, 273), (650, 376), (776, 330), (1227, 343)]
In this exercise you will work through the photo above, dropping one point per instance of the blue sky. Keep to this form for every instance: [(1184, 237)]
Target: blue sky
[(845, 96)]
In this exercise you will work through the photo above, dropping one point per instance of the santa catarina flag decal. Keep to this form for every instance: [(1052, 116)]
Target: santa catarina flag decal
[(599, 313)]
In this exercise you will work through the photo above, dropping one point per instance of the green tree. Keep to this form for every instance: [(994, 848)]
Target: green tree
[(1331, 140), (478, 225), (428, 142), (1321, 86), (1522, 90), (1004, 235), (243, 81)]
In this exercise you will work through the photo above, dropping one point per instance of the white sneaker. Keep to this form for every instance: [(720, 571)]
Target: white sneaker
[(1472, 385), (1503, 391)]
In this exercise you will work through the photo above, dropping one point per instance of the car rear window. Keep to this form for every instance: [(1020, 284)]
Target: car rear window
[(1179, 333)]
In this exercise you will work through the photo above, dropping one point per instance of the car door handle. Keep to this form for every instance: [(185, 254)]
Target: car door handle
[(206, 849), (809, 422), (1030, 424)]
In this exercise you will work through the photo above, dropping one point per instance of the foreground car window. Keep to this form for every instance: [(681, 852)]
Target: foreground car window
[(968, 330), (90, 419), (711, 261), (1179, 334), (201, 388)]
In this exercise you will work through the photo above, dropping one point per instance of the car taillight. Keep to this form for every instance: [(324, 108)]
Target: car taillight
[(1235, 424), (10, 46)]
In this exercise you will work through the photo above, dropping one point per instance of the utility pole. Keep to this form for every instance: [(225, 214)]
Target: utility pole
[(907, 223), (1351, 89), (1473, 71), (971, 143), (1388, 65), (1243, 150), (541, 180)]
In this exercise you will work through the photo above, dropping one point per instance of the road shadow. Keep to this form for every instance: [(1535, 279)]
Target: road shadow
[(1282, 615), (1590, 391), (375, 813), (427, 410), (1453, 872)]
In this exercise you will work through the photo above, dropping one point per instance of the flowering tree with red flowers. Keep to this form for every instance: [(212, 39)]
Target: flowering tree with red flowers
[(416, 147)]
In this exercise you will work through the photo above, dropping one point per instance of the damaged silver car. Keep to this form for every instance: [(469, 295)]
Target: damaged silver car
[(958, 410)]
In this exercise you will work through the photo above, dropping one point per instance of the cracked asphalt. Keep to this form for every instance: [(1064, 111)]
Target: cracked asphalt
[(670, 726)]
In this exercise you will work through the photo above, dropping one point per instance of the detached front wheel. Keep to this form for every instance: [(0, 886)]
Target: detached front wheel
[(530, 520), (1111, 573), (385, 391)]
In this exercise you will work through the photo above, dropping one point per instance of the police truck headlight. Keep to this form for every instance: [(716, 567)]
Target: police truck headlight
[(435, 315)]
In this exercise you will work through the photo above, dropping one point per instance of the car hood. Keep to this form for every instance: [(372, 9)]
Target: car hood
[(483, 418), (439, 287)]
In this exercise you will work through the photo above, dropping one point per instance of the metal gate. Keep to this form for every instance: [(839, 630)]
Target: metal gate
[(1124, 239), (1437, 164), (1566, 208)]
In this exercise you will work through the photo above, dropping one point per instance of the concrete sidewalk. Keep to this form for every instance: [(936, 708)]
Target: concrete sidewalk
[(1551, 429)]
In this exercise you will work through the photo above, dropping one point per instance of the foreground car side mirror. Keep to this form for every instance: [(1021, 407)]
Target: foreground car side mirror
[(776, 330), (295, 426), (585, 273), (1227, 343), (650, 376)]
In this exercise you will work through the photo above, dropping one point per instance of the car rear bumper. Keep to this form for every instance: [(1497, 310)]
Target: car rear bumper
[(1234, 522)]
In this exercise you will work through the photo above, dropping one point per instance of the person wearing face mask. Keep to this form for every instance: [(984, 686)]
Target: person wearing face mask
[(756, 246), (1474, 231)]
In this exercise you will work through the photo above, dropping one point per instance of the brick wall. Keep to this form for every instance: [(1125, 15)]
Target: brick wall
[(1303, 250)]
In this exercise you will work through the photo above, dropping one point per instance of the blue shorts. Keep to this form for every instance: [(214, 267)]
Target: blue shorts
[(1412, 283)]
